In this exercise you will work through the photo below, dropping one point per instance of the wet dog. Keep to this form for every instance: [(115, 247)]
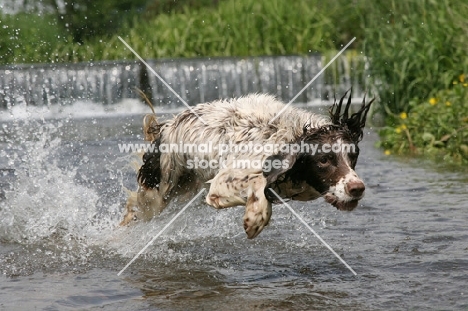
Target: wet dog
[(240, 148)]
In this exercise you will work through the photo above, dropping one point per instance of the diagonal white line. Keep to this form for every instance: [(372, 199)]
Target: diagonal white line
[(161, 79), (313, 79), (160, 232), (312, 230)]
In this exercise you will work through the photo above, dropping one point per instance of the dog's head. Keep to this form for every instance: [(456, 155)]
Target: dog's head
[(327, 165)]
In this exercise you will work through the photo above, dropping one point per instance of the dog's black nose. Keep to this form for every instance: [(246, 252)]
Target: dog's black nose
[(355, 188)]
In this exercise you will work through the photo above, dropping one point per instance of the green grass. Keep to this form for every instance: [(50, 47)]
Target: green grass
[(33, 38), (29, 38), (232, 28), (417, 53), (416, 48)]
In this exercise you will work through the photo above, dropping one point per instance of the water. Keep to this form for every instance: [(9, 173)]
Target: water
[(62, 196), (196, 80)]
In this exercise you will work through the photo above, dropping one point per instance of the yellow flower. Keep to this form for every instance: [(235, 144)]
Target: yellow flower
[(400, 128), (387, 152), (433, 101), (448, 104), (403, 115), (462, 78), (465, 84)]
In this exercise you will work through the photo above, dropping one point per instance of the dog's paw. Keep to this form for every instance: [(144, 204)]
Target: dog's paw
[(128, 218), (257, 214), (132, 203)]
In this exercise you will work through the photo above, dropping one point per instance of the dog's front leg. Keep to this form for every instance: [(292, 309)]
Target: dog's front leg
[(229, 187), (237, 187), (258, 209)]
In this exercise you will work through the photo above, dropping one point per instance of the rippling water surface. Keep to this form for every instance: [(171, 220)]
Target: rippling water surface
[(61, 198)]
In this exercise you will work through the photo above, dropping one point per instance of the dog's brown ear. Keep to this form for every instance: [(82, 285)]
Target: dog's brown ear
[(276, 165), (354, 123)]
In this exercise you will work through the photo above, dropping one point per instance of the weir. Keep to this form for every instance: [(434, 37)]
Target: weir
[(195, 80)]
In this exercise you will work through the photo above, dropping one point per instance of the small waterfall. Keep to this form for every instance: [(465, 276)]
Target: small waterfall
[(195, 80), (38, 85)]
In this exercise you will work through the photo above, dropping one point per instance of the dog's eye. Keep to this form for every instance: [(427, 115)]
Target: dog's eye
[(324, 160)]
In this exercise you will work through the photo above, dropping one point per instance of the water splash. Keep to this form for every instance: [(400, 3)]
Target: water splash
[(45, 199), (64, 200), (52, 199), (75, 110)]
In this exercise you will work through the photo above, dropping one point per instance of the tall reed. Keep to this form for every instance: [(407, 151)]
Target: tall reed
[(415, 47)]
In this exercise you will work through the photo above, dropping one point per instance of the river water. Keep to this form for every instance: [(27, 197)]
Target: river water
[(62, 182)]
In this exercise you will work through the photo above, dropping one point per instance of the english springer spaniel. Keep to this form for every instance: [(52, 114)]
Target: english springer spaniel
[(246, 147)]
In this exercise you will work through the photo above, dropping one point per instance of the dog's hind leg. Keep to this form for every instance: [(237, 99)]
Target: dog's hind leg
[(237, 187), (156, 188), (129, 207), (150, 203), (147, 201), (143, 204)]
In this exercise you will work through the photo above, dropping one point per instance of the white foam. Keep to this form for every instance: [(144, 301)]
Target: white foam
[(77, 110)]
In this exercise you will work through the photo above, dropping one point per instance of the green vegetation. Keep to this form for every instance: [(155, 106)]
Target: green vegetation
[(29, 38), (230, 28), (415, 49), (436, 128), (418, 61), (83, 19)]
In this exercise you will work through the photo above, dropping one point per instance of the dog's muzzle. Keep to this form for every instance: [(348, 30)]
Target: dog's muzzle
[(354, 191)]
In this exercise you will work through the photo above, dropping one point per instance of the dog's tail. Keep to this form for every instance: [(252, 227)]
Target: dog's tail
[(151, 127), (149, 174)]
